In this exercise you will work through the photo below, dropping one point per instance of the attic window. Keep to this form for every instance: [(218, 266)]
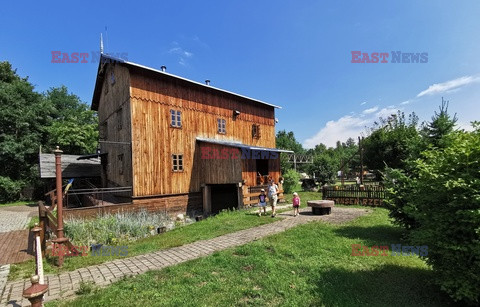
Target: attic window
[(176, 118), (177, 163), (221, 123), (256, 131)]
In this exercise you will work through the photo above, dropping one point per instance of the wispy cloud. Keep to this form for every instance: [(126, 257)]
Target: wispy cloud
[(405, 102), (370, 111), (455, 84), (183, 55), (363, 103)]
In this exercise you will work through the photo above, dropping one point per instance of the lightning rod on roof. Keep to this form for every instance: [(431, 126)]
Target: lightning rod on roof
[(101, 43)]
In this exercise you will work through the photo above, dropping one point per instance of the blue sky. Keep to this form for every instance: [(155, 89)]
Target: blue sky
[(296, 54)]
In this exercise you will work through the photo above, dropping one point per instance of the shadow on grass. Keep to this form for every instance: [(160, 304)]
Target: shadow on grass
[(374, 235), (389, 285)]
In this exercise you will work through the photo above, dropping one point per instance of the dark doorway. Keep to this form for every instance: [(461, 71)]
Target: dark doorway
[(224, 196), (262, 167)]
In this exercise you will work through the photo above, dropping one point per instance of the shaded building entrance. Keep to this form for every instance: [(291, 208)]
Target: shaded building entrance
[(223, 196)]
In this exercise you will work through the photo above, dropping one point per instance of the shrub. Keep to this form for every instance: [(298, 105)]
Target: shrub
[(9, 189), (291, 178), (446, 196)]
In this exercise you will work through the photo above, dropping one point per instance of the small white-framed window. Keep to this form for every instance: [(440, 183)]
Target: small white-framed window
[(221, 124), (177, 162), (175, 118)]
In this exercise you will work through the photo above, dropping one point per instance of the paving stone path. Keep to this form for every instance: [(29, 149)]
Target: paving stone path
[(65, 284), (16, 217)]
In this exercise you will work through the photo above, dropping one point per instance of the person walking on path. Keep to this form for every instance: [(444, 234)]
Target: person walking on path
[(262, 202), (295, 203), (272, 195)]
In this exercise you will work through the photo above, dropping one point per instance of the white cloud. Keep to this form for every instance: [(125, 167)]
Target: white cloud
[(438, 88), (371, 110), (385, 112), (405, 102), (340, 130), (348, 126), (183, 54), (363, 103)]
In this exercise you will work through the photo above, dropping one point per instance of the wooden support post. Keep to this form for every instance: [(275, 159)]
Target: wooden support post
[(240, 195), (207, 200), (361, 159)]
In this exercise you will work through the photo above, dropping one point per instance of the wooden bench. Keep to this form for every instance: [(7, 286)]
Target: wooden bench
[(321, 206)]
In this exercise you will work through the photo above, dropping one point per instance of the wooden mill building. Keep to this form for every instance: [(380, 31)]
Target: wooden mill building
[(180, 145)]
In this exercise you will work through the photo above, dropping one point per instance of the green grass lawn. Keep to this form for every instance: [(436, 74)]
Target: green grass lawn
[(18, 203), (309, 265), (223, 223)]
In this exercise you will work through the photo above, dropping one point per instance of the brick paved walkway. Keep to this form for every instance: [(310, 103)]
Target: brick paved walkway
[(67, 283), (16, 217)]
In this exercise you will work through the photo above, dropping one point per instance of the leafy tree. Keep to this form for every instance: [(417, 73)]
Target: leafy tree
[(23, 114), (29, 120), (392, 142), (287, 141), (446, 199), (325, 168), (73, 126)]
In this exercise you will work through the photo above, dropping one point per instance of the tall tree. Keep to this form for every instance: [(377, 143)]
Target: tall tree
[(30, 119), (286, 140), (442, 124), (24, 115), (391, 142), (74, 127)]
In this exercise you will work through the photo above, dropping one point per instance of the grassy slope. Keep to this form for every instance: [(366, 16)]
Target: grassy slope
[(307, 265)]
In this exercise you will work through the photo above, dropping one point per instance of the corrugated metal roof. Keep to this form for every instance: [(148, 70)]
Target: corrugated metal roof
[(114, 59), (240, 145)]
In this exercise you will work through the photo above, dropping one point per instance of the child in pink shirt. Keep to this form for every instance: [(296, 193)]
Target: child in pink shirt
[(296, 203)]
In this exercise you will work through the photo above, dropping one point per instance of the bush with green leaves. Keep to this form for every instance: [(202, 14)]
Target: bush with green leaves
[(9, 189), (291, 178), (446, 201)]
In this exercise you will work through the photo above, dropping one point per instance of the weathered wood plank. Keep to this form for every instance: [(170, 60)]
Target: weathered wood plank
[(71, 167)]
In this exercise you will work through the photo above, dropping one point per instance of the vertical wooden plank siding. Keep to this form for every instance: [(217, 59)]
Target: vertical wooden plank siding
[(154, 140), (114, 125)]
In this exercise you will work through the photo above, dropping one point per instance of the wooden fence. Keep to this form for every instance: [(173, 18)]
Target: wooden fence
[(251, 193), (368, 195)]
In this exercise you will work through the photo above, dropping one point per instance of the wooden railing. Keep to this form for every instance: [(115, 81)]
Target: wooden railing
[(250, 194), (368, 195), (49, 224)]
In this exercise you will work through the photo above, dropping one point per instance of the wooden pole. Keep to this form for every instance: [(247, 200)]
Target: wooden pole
[(361, 159)]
